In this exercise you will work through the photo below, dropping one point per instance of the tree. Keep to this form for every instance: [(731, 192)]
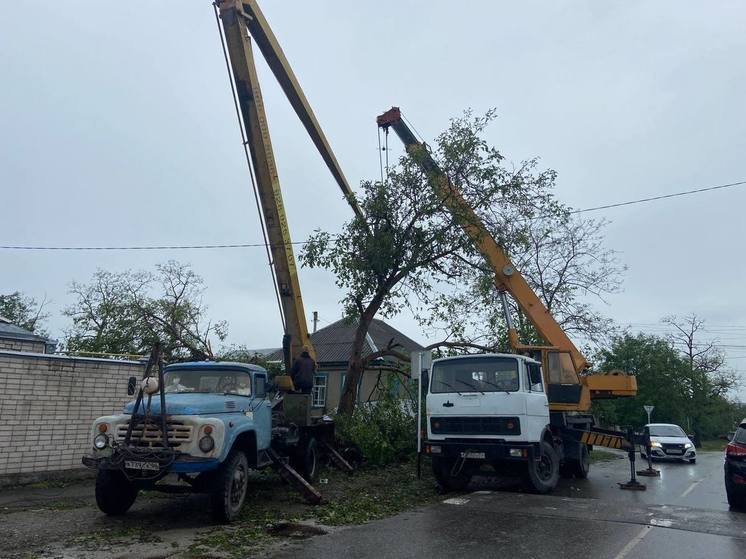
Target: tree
[(564, 260), (126, 312), (668, 379), (659, 370), (408, 243), (24, 311), (707, 379)]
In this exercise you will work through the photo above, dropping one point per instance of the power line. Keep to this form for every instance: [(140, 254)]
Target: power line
[(265, 245), (662, 197)]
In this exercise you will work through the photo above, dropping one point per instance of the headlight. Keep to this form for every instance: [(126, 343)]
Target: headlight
[(101, 441), (688, 445), (206, 443), (655, 444)]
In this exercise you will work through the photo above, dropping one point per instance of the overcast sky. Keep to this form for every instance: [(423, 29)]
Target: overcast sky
[(117, 128)]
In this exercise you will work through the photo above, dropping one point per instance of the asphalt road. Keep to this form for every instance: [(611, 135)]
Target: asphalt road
[(683, 513)]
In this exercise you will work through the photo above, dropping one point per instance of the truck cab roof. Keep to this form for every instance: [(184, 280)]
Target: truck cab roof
[(480, 355), (250, 367)]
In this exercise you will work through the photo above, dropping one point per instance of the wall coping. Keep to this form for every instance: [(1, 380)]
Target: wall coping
[(68, 358)]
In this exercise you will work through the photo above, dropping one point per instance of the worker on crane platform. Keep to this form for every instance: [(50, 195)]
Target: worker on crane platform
[(302, 372)]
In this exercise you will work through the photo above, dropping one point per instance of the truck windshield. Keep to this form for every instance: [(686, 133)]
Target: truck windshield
[(666, 431), (212, 380), (478, 374)]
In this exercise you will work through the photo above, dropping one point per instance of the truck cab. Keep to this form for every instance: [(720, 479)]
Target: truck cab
[(219, 424), (489, 408)]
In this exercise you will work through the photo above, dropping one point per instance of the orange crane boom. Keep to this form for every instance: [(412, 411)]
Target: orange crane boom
[(569, 387)]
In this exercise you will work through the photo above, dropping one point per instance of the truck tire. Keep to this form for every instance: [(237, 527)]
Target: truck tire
[(229, 487), (542, 475), (114, 492), (306, 460), (442, 468), (579, 466)]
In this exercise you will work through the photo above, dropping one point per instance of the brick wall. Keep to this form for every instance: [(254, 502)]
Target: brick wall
[(21, 345), (47, 406)]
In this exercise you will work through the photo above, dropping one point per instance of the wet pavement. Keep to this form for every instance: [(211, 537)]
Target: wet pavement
[(684, 513)]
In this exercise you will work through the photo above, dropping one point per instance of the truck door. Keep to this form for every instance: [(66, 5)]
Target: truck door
[(537, 405), (262, 410)]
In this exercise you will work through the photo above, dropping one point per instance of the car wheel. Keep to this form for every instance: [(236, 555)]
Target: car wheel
[(229, 489), (693, 461), (114, 492)]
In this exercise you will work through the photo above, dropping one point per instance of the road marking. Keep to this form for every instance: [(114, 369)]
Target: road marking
[(691, 487), (633, 542)]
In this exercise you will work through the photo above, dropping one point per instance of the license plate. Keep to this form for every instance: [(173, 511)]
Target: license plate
[(475, 455), (137, 465), (674, 451)]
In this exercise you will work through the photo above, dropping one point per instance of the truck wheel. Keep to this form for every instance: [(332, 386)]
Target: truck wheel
[(114, 492), (442, 468), (306, 460), (229, 490), (580, 466), (543, 474)]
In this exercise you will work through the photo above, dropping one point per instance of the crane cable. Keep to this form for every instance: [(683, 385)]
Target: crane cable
[(245, 144), (380, 152)]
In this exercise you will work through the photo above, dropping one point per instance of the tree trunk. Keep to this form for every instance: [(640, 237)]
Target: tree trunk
[(356, 365)]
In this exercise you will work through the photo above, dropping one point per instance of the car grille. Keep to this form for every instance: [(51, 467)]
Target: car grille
[(475, 425), (150, 435), (676, 449)]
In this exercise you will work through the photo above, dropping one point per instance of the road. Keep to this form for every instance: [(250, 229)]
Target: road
[(684, 513)]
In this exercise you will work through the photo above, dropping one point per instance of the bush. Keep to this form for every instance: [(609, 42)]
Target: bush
[(384, 430)]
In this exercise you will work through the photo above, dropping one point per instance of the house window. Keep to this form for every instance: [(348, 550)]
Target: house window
[(319, 391)]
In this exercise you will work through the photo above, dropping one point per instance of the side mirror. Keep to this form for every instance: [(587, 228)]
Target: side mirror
[(425, 380), (131, 385)]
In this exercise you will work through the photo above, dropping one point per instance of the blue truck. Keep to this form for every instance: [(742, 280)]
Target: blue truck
[(204, 425)]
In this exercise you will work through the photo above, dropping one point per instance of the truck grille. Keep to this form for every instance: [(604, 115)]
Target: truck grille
[(150, 435), (475, 425)]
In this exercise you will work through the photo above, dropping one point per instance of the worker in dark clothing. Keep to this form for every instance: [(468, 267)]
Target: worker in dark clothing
[(302, 372)]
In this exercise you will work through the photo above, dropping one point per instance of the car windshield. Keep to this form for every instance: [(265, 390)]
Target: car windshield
[(208, 380), (479, 374), (666, 431)]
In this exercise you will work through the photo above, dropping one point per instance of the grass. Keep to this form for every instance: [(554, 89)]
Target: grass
[(121, 535), (369, 494), (603, 456), (715, 445)]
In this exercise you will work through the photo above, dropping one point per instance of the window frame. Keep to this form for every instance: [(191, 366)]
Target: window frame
[(316, 386)]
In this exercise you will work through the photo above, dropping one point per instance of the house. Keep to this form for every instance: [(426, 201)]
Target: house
[(333, 344), (15, 338)]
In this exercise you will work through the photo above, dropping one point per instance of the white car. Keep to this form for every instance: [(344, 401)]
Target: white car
[(669, 442)]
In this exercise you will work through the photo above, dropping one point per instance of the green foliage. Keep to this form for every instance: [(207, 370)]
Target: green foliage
[(683, 395), (126, 312), (242, 354), (385, 430), (23, 311)]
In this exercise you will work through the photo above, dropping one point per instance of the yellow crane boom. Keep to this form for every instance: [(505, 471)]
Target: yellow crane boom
[(569, 388), (241, 20)]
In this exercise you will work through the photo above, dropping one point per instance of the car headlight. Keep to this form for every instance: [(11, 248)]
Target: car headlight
[(100, 441), (206, 443), (655, 444), (688, 445)]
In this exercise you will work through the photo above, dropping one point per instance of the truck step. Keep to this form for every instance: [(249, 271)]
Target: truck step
[(287, 473)]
